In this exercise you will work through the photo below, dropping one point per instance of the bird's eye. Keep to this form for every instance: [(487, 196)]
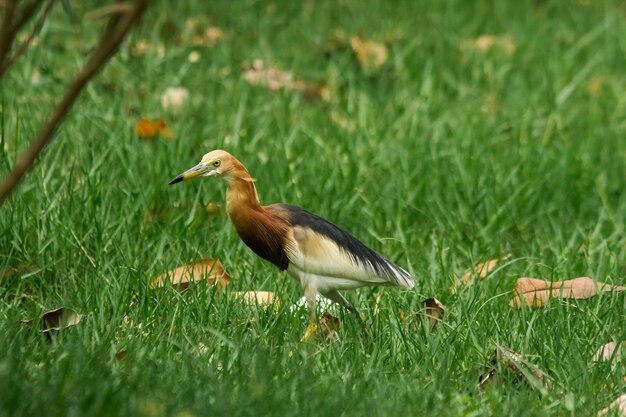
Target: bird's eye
[(217, 163)]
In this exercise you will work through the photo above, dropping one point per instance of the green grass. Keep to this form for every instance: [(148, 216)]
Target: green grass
[(455, 156)]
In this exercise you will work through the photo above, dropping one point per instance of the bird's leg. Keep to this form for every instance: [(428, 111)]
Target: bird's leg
[(341, 300), (310, 293)]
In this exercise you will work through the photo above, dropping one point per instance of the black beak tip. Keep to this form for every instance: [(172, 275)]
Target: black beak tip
[(176, 180)]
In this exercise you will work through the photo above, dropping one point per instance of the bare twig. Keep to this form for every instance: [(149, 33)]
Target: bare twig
[(28, 12), (111, 39), (42, 18), (14, 23), (6, 33)]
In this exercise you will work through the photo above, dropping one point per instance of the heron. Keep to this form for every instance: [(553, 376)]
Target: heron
[(323, 257)]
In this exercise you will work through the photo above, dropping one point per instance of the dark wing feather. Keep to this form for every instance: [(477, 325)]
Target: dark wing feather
[(356, 250)]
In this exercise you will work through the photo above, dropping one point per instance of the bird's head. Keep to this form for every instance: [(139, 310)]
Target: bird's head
[(215, 163)]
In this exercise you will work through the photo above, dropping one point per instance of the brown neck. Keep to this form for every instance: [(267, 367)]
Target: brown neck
[(241, 195), (258, 227)]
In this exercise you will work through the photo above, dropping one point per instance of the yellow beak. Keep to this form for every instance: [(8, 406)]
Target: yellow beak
[(191, 173)]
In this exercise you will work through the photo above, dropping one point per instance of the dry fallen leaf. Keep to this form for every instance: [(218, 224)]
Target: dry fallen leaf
[(371, 55), (205, 269), (210, 37), (58, 319), (141, 47), (147, 128), (174, 98), (260, 298), (265, 76), (328, 326), (434, 311), (54, 320), (617, 408), (611, 351), (480, 271), (513, 364), (199, 31), (533, 292), (486, 43)]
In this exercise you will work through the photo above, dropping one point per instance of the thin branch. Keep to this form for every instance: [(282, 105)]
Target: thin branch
[(111, 39), (36, 29), (6, 34), (13, 28), (28, 12)]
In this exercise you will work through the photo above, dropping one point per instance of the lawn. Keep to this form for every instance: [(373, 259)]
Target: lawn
[(483, 130)]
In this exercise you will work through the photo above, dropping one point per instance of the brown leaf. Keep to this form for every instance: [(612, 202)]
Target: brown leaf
[(58, 319), (533, 292), (141, 48), (328, 326), (316, 91), (210, 37), (371, 55), (486, 43), (199, 31), (514, 365), (617, 408), (480, 271), (260, 298), (610, 351), (265, 76), (205, 269), (147, 128), (434, 311)]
